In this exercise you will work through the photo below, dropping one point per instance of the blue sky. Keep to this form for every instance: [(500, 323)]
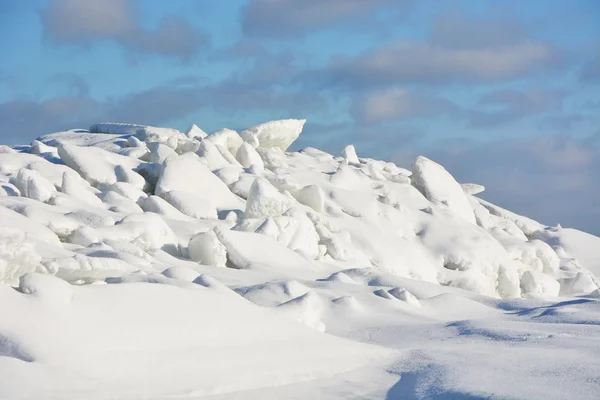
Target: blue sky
[(503, 93)]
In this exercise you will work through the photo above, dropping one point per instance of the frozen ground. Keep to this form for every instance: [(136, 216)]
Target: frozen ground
[(140, 262)]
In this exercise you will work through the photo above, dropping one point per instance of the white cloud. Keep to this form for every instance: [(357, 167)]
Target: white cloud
[(74, 20), (413, 61), (293, 17), (86, 21), (399, 104)]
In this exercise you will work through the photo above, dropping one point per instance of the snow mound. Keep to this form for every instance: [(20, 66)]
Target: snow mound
[(142, 262)]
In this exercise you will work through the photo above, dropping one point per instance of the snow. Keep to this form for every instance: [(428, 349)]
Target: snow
[(141, 262)]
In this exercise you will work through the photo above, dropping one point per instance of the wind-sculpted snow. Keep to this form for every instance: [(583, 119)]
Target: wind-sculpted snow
[(139, 261)]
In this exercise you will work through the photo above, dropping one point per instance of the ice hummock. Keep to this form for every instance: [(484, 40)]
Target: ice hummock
[(139, 261)]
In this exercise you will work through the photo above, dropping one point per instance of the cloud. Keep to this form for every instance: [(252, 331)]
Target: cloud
[(510, 105), (380, 141), (590, 71), (86, 21), (74, 83), (460, 48), (458, 31), (166, 104), (23, 120), (395, 104), (407, 61), (564, 123), (289, 18)]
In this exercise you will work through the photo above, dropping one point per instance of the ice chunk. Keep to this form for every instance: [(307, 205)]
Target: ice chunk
[(439, 187), (74, 185), (248, 156), (537, 283), (229, 174), (190, 204), (472, 188), (17, 255), (250, 250), (127, 190), (38, 147), (116, 128), (88, 269), (187, 173), (160, 206), (312, 196), (581, 283), (7, 149), (349, 154), (33, 185), (265, 200), (159, 153), (207, 249), (195, 132), (227, 138), (8, 189), (280, 134), (95, 165), (167, 136), (148, 231), (213, 156), (269, 228)]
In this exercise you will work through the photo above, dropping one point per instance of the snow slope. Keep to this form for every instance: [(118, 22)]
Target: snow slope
[(142, 262)]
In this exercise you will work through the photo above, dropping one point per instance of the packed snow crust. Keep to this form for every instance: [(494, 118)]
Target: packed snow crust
[(142, 262)]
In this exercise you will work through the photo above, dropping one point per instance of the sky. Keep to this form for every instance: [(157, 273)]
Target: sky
[(502, 93)]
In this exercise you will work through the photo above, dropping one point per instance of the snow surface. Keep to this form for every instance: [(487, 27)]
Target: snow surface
[(142, 262)]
